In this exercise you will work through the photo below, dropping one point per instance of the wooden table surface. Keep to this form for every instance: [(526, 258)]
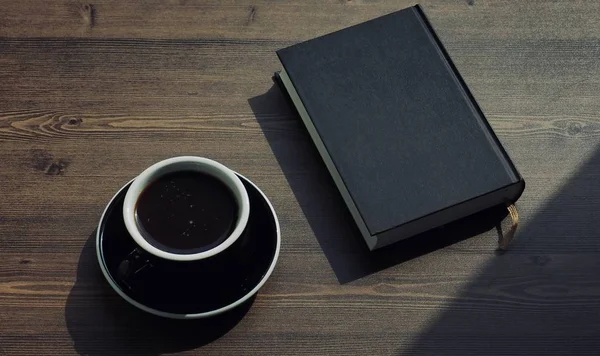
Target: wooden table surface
[(91, 94)]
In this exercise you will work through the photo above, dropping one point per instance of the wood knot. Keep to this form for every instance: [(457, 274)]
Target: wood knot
[(574, 128), (251, 14), (57, 168), (88, 14), (24, 261), (74, 121), (42, 160)]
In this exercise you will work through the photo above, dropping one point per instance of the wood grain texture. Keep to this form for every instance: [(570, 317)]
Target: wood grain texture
[(92, 93)]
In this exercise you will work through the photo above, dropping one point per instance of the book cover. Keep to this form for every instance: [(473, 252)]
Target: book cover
[(405, 141)]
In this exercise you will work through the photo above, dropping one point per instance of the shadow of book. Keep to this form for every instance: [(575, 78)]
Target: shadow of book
[(101, 323), (325, 209)]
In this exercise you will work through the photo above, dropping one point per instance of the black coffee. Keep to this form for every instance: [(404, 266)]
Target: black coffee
[(186, 212)]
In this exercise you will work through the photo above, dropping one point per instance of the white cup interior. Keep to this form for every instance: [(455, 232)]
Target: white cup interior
[(186, 163)]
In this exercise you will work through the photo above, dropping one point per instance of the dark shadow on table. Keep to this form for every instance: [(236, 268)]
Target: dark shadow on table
[(101, 323), (540, 298), (325, 209)]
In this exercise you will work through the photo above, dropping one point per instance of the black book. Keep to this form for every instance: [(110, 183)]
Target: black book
[(406, 143)]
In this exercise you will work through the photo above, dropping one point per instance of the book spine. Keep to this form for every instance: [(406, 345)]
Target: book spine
[(284, 79)]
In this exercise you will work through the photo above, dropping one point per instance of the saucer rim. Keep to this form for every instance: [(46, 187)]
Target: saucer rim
[(169, 315)]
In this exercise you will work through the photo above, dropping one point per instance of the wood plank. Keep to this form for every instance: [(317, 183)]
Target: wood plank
[(290, 20), (125, 76)]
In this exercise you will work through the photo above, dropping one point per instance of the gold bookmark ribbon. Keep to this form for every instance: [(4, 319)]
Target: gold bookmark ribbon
[(507, 238)]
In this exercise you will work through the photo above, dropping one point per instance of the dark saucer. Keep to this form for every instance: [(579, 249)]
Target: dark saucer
[(195, 289)]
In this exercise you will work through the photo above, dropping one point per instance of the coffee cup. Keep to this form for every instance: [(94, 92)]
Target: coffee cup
[(182, 209)]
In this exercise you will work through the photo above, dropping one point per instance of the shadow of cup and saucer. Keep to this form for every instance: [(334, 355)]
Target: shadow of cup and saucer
[(101, 323)]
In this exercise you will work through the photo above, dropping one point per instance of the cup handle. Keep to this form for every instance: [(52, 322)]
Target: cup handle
[(135, 265)]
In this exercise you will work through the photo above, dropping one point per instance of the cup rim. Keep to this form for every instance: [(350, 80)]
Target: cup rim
[(152, 173)]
